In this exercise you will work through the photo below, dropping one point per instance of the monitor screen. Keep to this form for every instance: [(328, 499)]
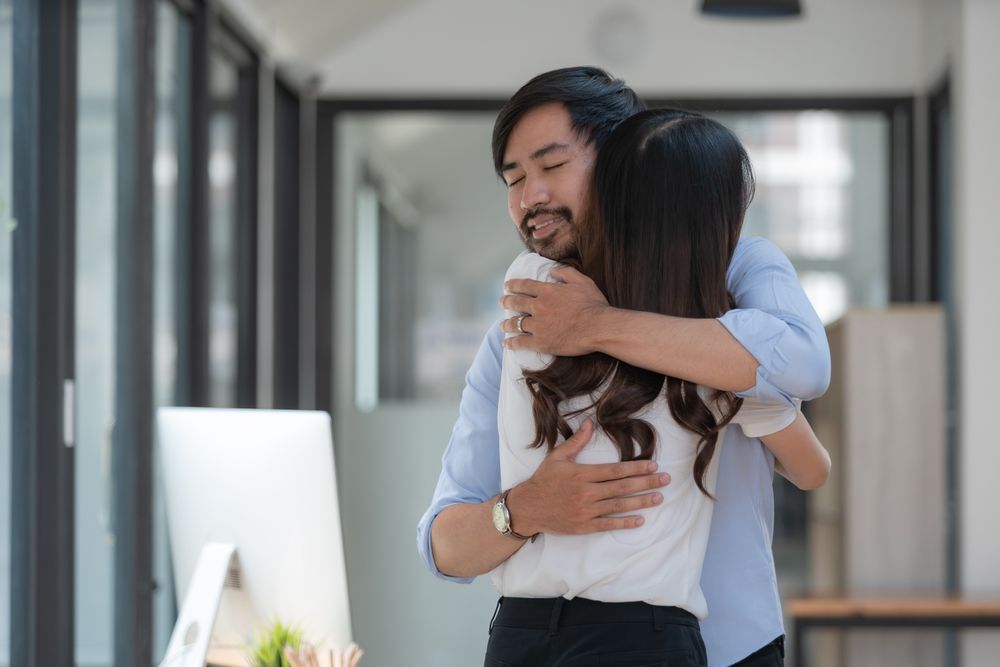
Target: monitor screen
[(264, 482)]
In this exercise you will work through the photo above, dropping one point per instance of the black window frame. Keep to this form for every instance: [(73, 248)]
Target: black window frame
[(288, 245), (132, 436), (902, 231), (45, 53), (941, 123), (42, 461)]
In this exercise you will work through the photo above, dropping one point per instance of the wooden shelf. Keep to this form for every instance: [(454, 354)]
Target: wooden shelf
[(894, 607)]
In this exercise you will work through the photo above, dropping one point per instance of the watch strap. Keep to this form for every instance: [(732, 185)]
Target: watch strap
[(510, 526)]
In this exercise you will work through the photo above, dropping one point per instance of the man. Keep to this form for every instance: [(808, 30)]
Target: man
[(771, 347)]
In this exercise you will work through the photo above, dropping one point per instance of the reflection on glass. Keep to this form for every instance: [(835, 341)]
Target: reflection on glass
[(95, 333), (171, 43), (433, 243), (6, 355), (828, 292), (223, 83), (823, 198)]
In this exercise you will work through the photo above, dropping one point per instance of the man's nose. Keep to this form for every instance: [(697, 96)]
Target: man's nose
[(535, 194)]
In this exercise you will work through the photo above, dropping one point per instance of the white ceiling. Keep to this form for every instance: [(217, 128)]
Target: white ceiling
[(475, 47), (300, 33)]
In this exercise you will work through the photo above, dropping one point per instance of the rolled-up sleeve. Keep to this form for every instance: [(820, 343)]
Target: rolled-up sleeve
[(775, 322), (470, 467)]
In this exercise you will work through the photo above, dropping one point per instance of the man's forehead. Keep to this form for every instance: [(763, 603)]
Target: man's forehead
[(543, 130)]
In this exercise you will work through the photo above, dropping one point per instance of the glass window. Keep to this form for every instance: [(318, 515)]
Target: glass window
[(172, 44), (422, 244), (419, 197), (168, 107), (95, 332), (6, 272), (822, 197), (422, 304), (222, 165)]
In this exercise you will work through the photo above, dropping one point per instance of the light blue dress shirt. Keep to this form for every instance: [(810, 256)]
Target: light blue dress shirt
[(776, 323)]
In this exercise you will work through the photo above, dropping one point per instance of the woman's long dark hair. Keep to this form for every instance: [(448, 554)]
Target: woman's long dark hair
[(670, 191)]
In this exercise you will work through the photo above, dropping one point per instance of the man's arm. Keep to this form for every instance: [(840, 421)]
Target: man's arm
[(573, 318), (460, 526), (772, 347), (560, 497), (777, 324), (456, 538), (470, 466)]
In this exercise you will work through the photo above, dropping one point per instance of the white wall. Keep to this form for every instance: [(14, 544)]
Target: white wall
[(939, 40), (458, 47), (976, 100), (388, 461), (960, 37)]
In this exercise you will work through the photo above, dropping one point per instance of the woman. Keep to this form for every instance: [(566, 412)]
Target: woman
[(670, 192)]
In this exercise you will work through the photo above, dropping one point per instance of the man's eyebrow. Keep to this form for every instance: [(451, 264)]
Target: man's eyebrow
[(554, 147)]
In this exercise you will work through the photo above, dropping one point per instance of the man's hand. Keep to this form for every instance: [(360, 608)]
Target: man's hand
[(565, 497), (573, 318), (561, 314), (562, 497)]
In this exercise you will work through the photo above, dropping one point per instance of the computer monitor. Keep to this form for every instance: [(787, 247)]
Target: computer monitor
[(254, 526)]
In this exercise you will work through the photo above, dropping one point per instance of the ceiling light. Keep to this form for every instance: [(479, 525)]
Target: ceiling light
[(752, 8)]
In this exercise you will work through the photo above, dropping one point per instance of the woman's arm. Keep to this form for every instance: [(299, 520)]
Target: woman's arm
[(800, 457)]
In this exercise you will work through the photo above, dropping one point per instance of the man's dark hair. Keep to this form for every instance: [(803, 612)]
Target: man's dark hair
[(596, 102)]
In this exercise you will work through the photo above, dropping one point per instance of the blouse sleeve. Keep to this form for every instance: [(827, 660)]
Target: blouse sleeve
[(761, 418)]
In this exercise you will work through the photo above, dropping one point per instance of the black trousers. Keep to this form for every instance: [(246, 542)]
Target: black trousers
[(772, 655), (556, 632)]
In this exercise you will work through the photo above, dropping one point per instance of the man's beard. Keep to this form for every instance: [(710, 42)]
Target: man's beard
[(551, 247)]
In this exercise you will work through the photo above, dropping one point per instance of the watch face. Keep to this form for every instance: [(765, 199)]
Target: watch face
[(499, 520)]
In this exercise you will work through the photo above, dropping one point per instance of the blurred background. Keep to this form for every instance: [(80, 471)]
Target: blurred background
[(291, 204)]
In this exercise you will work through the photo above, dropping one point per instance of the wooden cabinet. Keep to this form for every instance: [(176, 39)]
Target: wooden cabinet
[(878, 526)]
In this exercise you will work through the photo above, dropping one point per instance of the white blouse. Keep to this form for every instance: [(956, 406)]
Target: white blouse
[(659, 562)]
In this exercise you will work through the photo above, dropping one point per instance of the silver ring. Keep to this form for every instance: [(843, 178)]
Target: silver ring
[(520, 322)]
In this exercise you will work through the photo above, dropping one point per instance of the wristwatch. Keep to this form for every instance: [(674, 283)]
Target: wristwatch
[(501, 519)]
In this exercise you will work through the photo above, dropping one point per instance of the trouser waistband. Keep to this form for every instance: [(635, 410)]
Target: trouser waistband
[(552, 613)]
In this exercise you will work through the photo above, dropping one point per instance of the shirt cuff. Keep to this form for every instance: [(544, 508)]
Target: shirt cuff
[(427, 553), (759, 333)]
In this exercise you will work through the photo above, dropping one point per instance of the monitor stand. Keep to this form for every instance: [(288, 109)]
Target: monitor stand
[(217, 569)]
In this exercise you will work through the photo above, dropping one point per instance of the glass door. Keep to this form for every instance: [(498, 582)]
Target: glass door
[(423, 242), (231, 280), (171, 212), (6, 275), (95, 330)]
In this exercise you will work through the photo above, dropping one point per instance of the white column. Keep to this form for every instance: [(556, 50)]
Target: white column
[(977, 124)]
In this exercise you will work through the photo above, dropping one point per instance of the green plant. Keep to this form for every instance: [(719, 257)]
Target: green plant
[(268, 649)]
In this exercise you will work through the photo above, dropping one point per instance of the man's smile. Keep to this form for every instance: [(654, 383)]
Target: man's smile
[(544, 224), (543, 228)]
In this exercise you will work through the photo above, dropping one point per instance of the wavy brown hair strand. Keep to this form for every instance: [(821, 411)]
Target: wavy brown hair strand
[(670, 192)]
